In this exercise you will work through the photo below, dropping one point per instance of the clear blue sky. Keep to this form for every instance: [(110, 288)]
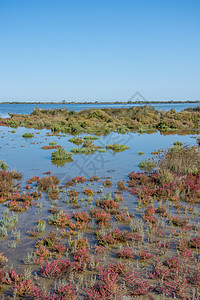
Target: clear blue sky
[(88, 50)]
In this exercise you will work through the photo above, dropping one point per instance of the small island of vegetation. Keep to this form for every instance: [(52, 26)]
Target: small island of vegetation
[(106, 120)]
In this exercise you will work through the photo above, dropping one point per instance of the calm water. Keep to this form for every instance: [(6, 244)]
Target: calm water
[(27, 156), (28, 108)]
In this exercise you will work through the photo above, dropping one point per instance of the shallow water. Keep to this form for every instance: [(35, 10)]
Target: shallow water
[(27, 156)]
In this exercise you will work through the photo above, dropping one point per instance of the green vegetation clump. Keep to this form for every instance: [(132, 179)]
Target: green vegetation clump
[(103, 121), (117, 148), (3, 231), (87, 148), (90, 137), (178, 143), (52, 143), (9, 222), (140, 153), (101, 150), (166, 176), (88, 144), (122, 129), (148, 165), (82, 150), (76, 140), (27, 135), (61, 154), (3, 165)]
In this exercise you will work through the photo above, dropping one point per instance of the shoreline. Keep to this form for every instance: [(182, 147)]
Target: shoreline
[(102, 102)]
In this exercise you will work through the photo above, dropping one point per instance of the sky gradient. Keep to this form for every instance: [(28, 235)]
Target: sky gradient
[(98, 50)]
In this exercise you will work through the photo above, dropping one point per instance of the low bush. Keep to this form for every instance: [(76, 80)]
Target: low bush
[(52, 143), (148, 165), (116, 147), (3, 165), (178, 143), (82, 150), (90, 137), (181, 160), (61, 154), (51, 147), (140, 153), (76, 140)]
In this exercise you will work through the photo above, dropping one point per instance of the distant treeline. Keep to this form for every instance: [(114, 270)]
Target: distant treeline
[(106, 102)]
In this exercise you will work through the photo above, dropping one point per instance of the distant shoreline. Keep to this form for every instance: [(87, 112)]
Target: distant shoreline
[(106, 102)]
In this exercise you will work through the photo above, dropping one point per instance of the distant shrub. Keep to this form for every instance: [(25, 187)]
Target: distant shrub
[(52, 143)]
